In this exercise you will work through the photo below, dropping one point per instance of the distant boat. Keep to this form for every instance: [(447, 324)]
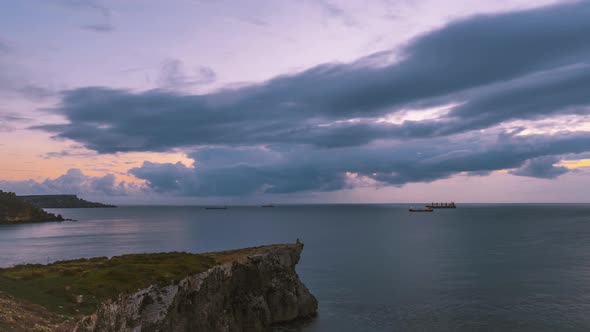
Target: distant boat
[(267, 206), (421, 210), (450, 205), (215, 207)]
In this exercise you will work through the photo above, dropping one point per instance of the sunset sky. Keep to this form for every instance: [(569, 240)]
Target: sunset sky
[(295, 101)]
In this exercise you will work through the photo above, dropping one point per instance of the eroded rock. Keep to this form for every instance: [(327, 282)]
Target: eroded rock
[(248, 294)]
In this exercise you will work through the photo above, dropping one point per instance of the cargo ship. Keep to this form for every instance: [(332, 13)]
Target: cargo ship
[(450, 205)]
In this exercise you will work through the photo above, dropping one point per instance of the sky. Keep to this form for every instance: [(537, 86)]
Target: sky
[(296, 101)]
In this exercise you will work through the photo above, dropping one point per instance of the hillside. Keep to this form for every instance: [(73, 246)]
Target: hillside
[(61, 201), (15, 210)]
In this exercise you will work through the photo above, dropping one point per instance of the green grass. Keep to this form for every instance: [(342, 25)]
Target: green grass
[(58, 286)]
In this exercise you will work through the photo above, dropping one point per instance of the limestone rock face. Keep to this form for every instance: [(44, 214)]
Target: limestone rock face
[(248, 294)]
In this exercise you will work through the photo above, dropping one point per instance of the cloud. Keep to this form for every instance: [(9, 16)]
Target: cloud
[(91, 6), (31, 91), (542, 167), (331, 10), (305, 131), (71, 151), (16, 82), (489, 65), (87, 5), (102, 28), (72, 182), (252, 20), (11, 117), (8, 120), (238, 171), (174, 76)]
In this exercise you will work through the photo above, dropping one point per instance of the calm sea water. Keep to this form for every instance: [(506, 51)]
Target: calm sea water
[(372, 267)]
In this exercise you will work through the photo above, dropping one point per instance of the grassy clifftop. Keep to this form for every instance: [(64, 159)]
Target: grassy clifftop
[(50, 297), (15, 210), (37, 297), (77, 286)]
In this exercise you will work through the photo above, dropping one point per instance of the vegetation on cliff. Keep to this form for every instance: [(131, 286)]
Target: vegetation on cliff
[(15, 210), (160, 291), (62, 202), (252, 292), (77, 286)]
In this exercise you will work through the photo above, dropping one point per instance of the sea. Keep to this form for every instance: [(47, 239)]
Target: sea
[(480, 267)]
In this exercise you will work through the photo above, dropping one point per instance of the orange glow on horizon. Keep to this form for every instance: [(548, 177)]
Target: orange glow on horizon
[(573, 164), (22, 160)]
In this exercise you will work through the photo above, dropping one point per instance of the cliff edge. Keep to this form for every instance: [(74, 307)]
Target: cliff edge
[(250, 291)]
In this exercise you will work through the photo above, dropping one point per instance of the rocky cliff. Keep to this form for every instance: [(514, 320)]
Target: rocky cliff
[(247, 293)]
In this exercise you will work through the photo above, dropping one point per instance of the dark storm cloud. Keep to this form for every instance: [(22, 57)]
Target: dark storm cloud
[(491, 64), (561, 91), (109, 120), (324, 170), (542, 167), (322, 122)]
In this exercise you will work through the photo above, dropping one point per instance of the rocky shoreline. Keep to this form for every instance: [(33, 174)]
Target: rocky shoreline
[(250, 289)]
